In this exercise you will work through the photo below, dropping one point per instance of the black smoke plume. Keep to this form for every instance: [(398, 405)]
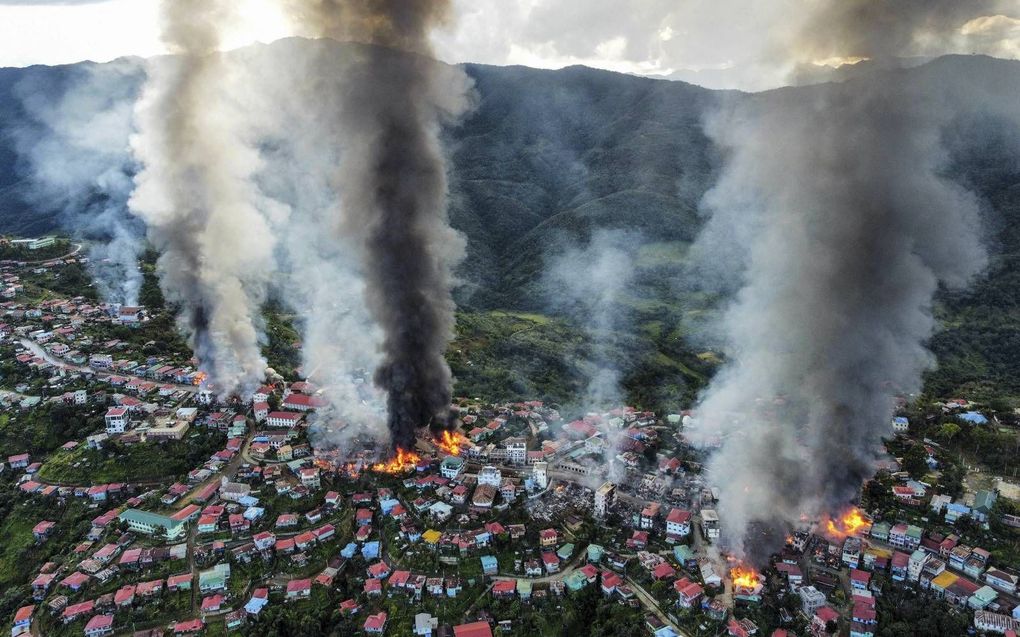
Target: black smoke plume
[(392, 187)]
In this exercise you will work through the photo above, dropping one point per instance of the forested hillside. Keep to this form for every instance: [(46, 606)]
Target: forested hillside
[(548, 159)]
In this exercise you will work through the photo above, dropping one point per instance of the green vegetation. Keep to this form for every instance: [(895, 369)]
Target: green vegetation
[(44, 428), (20, 252), (132, 463)]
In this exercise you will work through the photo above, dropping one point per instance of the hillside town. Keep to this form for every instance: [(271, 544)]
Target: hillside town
[(518, 514)]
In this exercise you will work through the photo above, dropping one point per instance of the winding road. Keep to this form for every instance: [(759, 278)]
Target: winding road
[(40, 351)]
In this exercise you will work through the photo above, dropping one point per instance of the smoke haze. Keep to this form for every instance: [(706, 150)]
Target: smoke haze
[(197, 197), (836, 211), (392, 187), (73, 151)]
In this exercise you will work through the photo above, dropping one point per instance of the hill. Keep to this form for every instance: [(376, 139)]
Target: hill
[(548, 160)]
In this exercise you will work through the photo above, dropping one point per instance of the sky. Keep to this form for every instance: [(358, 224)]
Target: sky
[(717, 43)]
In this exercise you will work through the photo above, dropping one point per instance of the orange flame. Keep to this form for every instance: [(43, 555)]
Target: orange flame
[(400, 463), (452, 442), (850, 524), (199, 378), (745, 577)]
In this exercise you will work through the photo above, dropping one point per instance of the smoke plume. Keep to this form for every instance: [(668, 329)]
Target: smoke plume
[(197, 197), (836, 208), (588, 284), (393, 190), (74, 151)]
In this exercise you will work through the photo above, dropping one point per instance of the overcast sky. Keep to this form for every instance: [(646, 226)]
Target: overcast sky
[(729, 43)]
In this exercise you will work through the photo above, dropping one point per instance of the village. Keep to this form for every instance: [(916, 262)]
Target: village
[(497, 527)]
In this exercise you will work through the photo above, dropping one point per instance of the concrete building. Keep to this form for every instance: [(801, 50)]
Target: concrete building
[(116, 420), (491, 476), (811, 599), (540, 474), (710, 525), (517, 451), (148, 523), (605, 498)]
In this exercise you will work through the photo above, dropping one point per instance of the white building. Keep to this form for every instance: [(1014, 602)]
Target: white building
[(451, 467), (678, 523), (283, 419), (116, 420), (916, 564), (710, 524), (605, 498), (540, 473), (811, 599), (517, 450), (81, 397), (491, 476)]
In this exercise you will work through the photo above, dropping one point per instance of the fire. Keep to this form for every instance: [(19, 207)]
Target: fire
[(452, 442), (199, 378), (400, 463), (745, 577), (850, 524)]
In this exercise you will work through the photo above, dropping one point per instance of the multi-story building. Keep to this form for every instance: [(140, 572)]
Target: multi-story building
[(116, 420), (491, 476), (605, 498), (517, 451)]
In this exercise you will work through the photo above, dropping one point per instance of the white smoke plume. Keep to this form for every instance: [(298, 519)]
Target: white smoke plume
[(74, 150), (842, 226), (589, 284), (197, 195)]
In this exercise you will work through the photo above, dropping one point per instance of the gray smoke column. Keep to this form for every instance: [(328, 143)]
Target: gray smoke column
[(589, 284), (197, 197), (834, 205), (392, 185), (75, 152)]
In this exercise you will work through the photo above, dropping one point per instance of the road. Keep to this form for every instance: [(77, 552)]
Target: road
[(40, 351), (77, 249)]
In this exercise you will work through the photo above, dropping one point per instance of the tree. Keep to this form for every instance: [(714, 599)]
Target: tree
[(948, 431), (915, 461)]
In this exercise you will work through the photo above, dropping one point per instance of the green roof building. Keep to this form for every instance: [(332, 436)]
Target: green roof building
[(147, 523), (595, 553), (565, 551), (214, 579)]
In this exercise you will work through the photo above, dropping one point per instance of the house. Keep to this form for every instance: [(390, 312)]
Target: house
[(116, 420), (995, 623), (283, 419), (212, 604), (299, 589), (43, 530), (678, 524), (376, 624), (1001, 580), (905, 536), (550, 561), (188, 627), (451, 467), (689, 594), (474, 629), (99, 626), (258, 601), (899, 567), (710, 524), (76, 611), (490, 566), (811, 599), (23, 619), (821, 619), (548, 537)]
